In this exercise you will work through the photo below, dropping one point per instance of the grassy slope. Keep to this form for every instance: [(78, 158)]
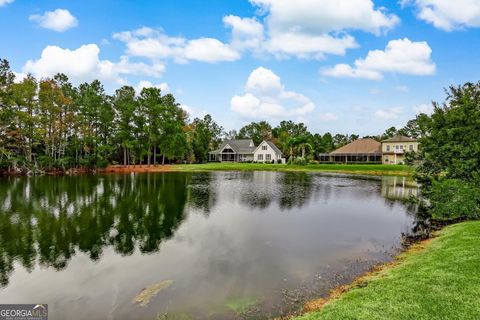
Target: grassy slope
[(341, 168), (440, 282)]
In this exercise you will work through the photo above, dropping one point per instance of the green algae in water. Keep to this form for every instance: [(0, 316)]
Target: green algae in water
[(146, 294), (241, 305)]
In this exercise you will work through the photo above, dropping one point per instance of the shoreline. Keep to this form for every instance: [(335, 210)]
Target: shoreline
[(369, 293)]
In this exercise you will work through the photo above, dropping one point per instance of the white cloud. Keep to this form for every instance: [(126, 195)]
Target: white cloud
[(448, 15), (391, 113), (323, 16), (400, 56), (265, 97), (5, 2), (149, 43), (247, 33), (84, 64), (58, 20), (328, 116), (210, 50), (147, 84), (423, 108), (312, 28)]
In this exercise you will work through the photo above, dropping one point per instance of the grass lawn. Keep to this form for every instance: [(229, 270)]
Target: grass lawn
[(442, 281), (377, 169)]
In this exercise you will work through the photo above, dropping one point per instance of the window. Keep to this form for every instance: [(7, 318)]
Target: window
[(388, 147), (268, 157), (260, 157), (264, 147), (401, 147), (397, 146), (410, 147)]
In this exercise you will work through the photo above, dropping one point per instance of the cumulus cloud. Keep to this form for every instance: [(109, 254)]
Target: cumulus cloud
[(147, 84), (306, 29), (154, 44), (391, 113), (328, 116), (58, 20), (448, 15), (84, 64), (5, 2), (400, 56), (423, 108), (265, 97), (313, 28), (247, 33)]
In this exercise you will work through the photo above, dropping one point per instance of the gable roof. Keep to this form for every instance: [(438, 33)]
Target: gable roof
[(399, 138), (239, 145), (272, 145), (360, 146)]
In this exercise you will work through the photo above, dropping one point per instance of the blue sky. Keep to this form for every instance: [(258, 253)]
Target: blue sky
[(344, 66)]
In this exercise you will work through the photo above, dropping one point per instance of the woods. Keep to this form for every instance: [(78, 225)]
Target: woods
[(49, 124)]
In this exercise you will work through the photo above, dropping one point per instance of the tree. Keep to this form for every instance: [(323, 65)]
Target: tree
[(257, 131), (451, 145), (206, 136), (125, 105)]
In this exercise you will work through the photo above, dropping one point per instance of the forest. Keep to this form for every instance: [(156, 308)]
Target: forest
[(51, 125)]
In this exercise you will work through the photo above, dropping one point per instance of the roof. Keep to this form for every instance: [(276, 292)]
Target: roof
[(399, 138), (360, 146), (273, 146), (238, 145)]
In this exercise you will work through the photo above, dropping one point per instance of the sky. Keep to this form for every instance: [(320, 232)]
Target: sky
[(340, 66)]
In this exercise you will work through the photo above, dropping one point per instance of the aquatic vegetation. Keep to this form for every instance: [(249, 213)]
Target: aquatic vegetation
[(146, 294), (241, 305)]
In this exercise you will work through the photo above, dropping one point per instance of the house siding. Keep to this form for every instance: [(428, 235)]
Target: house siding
[(261, 155)]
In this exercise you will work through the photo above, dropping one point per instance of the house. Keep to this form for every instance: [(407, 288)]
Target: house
[(394, 149), (361, 150), (242, 150)]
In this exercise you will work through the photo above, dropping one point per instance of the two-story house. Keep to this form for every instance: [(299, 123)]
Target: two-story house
[(394, 149)]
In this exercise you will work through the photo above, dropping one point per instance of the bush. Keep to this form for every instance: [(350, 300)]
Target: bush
[(300, 161), (454, 199), (279, 161), (314, 162)]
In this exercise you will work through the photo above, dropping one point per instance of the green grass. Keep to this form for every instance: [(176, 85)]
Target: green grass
[(377, 169), (440, 282)]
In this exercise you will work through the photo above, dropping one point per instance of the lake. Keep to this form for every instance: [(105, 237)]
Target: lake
[(214, 245)]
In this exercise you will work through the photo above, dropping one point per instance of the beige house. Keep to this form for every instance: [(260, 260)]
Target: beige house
[(394, 149)]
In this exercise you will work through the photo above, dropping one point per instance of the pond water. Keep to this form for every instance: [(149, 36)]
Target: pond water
[(216, 245)]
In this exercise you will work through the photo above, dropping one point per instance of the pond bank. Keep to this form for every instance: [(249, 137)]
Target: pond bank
[(372, 169), (434, 279)]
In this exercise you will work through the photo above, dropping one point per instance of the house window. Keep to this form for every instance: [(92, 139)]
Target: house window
[(397, 146), (260, 157), (401, 147), (410, 147), (388, 147), (264, 147), (268, 157)]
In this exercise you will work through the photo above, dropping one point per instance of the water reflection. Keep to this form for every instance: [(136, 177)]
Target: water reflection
[(217, 234), (52, 217)]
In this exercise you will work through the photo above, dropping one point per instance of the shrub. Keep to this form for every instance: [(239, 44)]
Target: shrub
[(313, 162), (454, 199), (300, 161)]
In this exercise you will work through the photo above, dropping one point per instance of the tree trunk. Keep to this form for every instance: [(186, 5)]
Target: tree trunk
[(149, 155), (163, 159), (303, 151), (155, 155), (124, 156)]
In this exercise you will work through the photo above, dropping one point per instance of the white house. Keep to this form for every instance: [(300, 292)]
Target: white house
[(244, 150)]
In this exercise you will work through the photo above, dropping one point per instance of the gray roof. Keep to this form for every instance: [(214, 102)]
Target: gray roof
[(239, 145), (399, 138), (243, 146), (274, 147)]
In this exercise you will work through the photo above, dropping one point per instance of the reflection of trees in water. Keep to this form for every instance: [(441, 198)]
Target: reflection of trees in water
[(202, 194), (50, 218)]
